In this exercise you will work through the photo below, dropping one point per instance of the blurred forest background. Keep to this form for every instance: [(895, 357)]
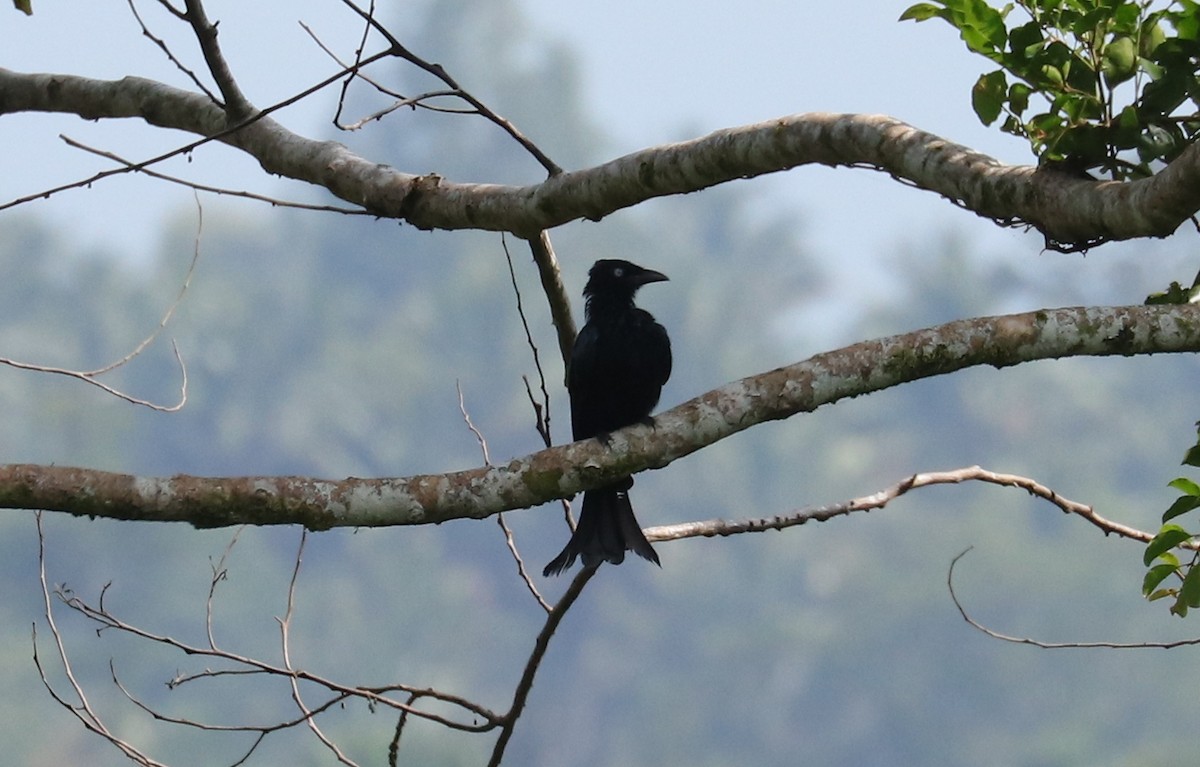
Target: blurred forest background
[(330, 346)]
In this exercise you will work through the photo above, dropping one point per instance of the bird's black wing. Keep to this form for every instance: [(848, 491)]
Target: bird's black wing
[(583, 384), (658, 351)]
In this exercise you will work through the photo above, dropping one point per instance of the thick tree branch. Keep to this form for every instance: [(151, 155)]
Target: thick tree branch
[(1067, 209), (562, 471)]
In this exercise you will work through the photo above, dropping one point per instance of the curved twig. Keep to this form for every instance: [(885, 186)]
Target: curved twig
[(92, 376), (880, 499), (1051, 645)]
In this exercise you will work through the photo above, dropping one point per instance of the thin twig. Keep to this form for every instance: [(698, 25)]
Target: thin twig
[(882, 498), (191, 75), (83, 710), (401, 100), (399, 50), (219, 573), (372, 695), (508, 536), (190, 146), (111, 390), (170, 312), (540, 646), (92, 376), (544, 413), (273, 201), (1052, 645), (285, 624)]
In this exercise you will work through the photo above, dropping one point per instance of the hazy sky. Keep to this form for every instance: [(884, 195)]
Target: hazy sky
[(654, 72)]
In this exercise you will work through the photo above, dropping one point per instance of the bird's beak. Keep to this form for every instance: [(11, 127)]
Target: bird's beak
[(648, 276)]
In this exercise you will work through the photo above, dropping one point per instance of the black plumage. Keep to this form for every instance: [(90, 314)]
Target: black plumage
[(620, 361)]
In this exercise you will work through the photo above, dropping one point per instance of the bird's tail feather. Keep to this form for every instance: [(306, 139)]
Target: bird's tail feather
[(607, 529)]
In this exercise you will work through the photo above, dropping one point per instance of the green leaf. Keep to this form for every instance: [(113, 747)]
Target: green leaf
[(1156, 143), (987, 97), (1168, 538), (1175, 294), (1119, 60), (1189, 592), (1182, 505), (981, 26), (1192, 457), (1152, 37), (1053, 75), (1185, 486), (1186, 24), (1018, 97), (24, 5), (923, 12), (1160, 594), (1125, 18), (1026, 40), (1154, 576)]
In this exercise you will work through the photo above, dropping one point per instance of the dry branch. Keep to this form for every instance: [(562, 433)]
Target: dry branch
[(563, 471), (1067, 209)]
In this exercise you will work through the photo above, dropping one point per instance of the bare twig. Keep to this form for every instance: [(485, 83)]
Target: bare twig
[(219, 573), (273, 201), (92, 376), (162, 45), (190, 146), (541, 643), (399, 50), (82, 710), (882, 498), (462, 408), (285, 624), (1052, 645), (237, 106), (526, 578), (401, 102), (178, 13), (482, 719), (111, 390), (170, 312), (543, 412), (508, 536)]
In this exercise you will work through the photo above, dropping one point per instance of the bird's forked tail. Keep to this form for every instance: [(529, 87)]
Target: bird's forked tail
[(606, 530)]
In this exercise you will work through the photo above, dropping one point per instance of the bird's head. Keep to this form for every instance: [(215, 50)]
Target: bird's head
[(616, 277)]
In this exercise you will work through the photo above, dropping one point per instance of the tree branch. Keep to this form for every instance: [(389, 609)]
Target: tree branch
[(880, 499), (1070, 211), (563, 471)]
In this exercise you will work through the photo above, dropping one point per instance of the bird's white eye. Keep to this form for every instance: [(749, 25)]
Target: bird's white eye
[(618, 272)]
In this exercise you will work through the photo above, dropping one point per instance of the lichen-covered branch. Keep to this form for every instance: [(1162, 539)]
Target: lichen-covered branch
[(1068, 209), (563, 471)]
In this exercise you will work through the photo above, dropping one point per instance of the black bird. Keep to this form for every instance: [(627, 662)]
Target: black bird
[(620, 361)]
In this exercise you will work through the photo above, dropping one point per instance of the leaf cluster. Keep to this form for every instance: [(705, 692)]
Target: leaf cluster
[(1160, 557), (1115, 81)]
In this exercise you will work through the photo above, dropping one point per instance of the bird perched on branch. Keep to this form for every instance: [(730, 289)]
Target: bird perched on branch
[(619, 363)]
